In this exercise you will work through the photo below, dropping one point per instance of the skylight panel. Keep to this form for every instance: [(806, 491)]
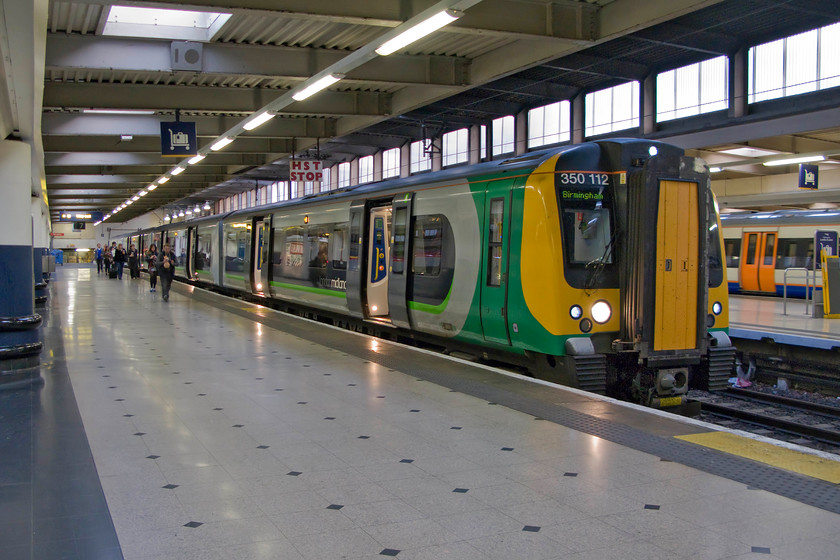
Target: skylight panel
[(125, 21)]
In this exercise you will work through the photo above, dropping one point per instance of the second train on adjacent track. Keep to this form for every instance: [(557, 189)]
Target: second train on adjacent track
[(595, 265)]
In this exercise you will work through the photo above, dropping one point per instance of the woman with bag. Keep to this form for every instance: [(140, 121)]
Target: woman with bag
[(151, 259), (166, 269)]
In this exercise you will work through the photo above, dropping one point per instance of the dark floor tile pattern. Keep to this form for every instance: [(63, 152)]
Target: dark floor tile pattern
[(51, 502)]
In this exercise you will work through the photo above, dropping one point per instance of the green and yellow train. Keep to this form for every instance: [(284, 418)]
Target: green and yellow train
[(595, 265)]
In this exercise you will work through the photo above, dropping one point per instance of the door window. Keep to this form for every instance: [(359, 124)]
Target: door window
[(751, 241), (494, 252)]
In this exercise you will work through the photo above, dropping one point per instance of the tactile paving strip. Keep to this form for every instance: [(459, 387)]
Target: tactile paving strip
[(474, 381)]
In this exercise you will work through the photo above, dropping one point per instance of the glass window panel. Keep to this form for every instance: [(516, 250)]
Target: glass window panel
[(688, 90), (391, 163), (829, 59), (455, 147), (483, 143), (801, 63), (612, 109), (767, 71), (769, 248), (427, 243), (344, 174), (549, 124), (503, 135), (365, 169), (420, 160), (398, 248), (494, 236)]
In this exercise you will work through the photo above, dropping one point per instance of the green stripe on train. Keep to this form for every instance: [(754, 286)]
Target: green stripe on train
[(310, 289)]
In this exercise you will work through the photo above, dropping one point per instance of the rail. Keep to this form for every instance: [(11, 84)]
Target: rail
[(808, 294)]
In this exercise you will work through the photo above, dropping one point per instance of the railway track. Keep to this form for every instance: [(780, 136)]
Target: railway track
[(793, 420)]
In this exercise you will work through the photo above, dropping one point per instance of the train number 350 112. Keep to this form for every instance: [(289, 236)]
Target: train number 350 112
[(585, 178)]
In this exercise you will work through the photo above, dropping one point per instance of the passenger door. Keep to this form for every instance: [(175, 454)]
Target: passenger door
[(758, 261), (259, 258), (677, 256), (494, 263), (399, 261), (378, 259)]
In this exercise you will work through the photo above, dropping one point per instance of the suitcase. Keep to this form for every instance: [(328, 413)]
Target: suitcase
[(112, 272)]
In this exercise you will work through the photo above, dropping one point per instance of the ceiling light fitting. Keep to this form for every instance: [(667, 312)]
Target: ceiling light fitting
[(177, 171), (317, 86), (196, 158), (419, 31), (263, 117), (793, 160), (221, 143)]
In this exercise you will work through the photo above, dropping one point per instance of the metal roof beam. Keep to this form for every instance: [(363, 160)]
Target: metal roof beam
[(214, 99), (103, 158), (151, 145), (82, 124), (118, 54)]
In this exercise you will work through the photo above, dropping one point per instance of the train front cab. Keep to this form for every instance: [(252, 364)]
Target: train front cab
[(673, 320), (659, 271)]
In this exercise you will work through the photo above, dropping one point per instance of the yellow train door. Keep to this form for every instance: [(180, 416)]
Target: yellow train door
[(677, 254)]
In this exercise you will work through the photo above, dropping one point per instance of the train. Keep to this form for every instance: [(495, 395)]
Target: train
[(760, 247), (594, 265)]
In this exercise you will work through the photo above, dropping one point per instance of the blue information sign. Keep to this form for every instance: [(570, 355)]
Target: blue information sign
[(81, 217), (177, 139), (809, 175), (825, 240)]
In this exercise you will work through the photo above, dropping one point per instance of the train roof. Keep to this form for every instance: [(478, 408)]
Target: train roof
[(782, 217)]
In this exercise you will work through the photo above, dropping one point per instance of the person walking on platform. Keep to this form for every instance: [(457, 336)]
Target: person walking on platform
[(97, 256), (133, 262), (119, 260), (151, 260), (166, 269), (107, 258)]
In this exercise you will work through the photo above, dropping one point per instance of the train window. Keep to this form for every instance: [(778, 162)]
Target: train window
[(587, 233), (338, 247), (752, 239), (715, 261), (398, 247), (769, 248), (428, 240), (494, 243), (733, 252), (204, 251)]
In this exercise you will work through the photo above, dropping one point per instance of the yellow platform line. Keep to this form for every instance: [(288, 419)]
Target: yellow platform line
[(787, 459)]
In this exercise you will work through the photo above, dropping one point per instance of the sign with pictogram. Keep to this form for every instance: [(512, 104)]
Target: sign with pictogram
[(178, 139)]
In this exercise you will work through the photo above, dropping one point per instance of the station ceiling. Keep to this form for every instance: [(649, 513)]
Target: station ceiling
[(499, 58)]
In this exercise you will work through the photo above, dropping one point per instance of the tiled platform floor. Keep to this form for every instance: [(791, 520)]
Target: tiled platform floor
[(216, 437)]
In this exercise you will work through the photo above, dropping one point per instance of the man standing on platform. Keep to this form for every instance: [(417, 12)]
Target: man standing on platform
[(97, 256)]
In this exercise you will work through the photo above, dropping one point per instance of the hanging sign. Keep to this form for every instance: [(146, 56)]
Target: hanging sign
[(308, 170), (809, 175), (177, 139)]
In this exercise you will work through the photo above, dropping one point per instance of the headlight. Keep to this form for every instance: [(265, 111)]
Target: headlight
[(585, 325), (601, 312), (717, 308), (576, 312)]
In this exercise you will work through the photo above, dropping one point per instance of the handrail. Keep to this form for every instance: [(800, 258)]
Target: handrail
[(807, 288)]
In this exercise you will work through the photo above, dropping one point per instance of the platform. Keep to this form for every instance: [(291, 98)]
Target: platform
[(763, 317), (219, 429)]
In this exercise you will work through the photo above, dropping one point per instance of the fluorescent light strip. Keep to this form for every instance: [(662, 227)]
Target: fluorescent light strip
[(317, 86), (135, 198), (162, 180), (790, 161), (177, 171), (263, 117), (151, 187), (715, 170), (195, 159), (143, 193), (419, 31), (118, 112), (221, 143)]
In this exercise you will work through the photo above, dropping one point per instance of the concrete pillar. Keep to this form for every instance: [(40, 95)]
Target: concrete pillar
[(738, 84), (578, 119), (20, 344), (647, 105)]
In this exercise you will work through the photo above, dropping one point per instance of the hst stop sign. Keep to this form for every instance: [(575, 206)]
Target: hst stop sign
[(305, 170)]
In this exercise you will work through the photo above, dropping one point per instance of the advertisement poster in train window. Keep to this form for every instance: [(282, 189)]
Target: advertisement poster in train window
[(294, 254)]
